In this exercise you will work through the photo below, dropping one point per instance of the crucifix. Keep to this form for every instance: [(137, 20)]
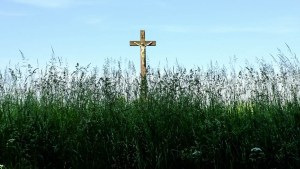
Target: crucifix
[(143, 44)]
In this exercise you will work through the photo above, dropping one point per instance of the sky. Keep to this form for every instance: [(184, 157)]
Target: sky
[(188, 32)]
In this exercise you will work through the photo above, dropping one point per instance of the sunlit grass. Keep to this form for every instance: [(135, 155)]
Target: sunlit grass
[(90, 118)]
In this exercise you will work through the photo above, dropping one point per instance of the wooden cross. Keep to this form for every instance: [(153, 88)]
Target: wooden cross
[(143, 44)]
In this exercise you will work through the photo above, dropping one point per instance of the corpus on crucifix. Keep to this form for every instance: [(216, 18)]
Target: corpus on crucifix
[(143, 44)]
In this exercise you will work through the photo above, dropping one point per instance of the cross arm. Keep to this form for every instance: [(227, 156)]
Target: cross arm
[(138, 43)]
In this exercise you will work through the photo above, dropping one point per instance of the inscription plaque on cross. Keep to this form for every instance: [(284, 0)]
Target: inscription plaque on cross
[(143, 44)]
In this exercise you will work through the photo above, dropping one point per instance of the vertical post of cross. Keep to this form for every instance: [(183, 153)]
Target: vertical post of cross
[(143, 44)]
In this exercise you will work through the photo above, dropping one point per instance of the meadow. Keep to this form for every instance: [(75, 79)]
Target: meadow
[(214, 118)]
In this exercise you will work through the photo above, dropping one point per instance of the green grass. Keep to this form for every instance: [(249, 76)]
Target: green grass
[(206, 119)]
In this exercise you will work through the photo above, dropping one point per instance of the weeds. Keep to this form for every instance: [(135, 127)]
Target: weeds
[(54, 118)]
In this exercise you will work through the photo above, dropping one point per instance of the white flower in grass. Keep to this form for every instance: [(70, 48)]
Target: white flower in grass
[(196, 153), (256, 154), (256, 149), (9, 143), (1, 166), (11, 140)]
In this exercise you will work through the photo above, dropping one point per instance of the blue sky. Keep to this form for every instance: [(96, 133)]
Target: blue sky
[(193, 32)]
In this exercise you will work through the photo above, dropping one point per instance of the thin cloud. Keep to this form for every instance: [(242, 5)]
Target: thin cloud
[(45, 3), (89, 20), (54, 3), (12, 14), (281, 29), (281, 25), (178, 28), (236, 29), (258, 29), (93, 21)]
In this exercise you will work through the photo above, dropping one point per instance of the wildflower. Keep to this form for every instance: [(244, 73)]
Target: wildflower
[(256, 154)]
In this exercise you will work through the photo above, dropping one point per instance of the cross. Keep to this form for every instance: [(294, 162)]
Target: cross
[(143, 44)]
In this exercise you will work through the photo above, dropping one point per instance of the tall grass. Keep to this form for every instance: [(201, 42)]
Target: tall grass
[(214, 118)]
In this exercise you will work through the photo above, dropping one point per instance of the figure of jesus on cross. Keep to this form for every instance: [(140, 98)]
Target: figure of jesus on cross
[(143, 44)]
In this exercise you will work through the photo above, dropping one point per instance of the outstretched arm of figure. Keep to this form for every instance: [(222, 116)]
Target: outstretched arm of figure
[(149, 43), (137, 43)]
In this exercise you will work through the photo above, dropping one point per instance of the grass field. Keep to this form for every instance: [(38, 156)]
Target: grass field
[(206, 119)]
